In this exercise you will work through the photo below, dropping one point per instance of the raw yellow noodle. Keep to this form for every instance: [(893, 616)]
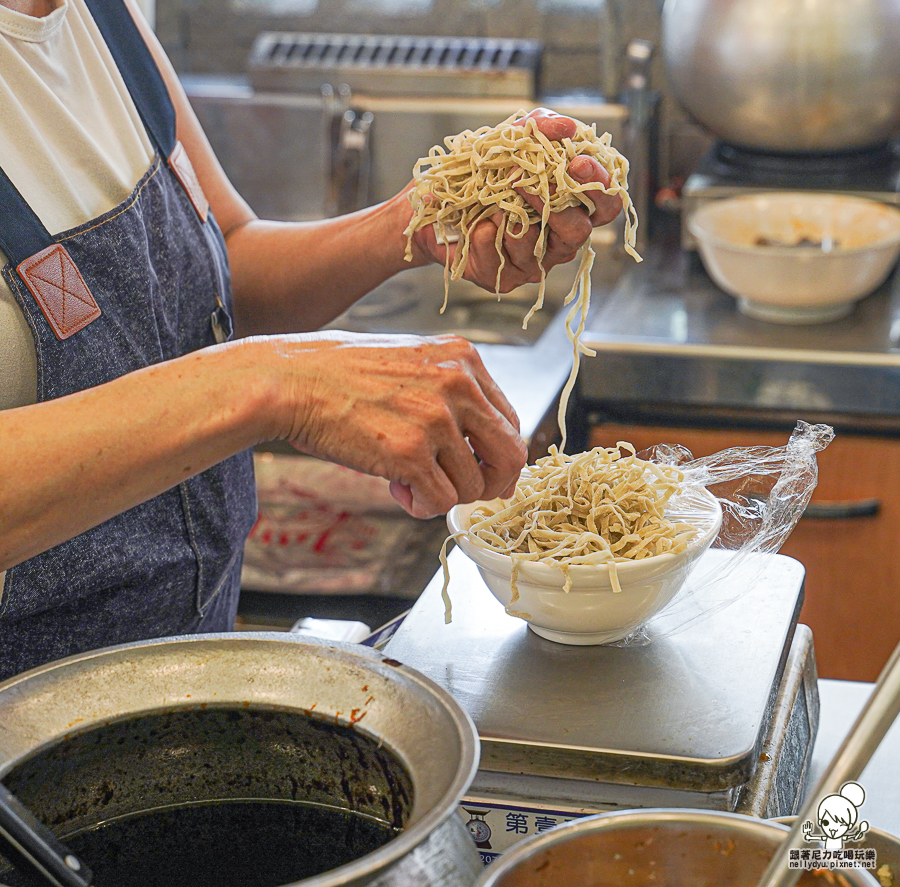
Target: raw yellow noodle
[(605, 506), (482, 173)]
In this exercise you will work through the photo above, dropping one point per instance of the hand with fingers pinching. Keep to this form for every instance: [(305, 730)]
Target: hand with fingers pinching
[(420, 411)]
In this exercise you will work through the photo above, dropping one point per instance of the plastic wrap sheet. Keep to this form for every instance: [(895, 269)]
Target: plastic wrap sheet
[(763, 492)]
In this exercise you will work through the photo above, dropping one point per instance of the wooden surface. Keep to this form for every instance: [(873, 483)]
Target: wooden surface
[(852, 564)]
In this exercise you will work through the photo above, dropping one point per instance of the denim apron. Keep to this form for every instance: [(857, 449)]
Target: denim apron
[(145, 282)]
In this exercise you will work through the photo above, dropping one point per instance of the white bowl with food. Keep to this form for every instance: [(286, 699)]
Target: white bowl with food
[(795, 256), (595, 597)]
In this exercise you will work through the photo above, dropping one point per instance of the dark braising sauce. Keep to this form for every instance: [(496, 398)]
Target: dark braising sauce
[(223, 844)]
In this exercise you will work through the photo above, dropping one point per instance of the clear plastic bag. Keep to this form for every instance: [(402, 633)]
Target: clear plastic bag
[(763, 492)]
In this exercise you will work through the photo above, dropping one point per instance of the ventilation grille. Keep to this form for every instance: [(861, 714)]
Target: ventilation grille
[(396, 65)]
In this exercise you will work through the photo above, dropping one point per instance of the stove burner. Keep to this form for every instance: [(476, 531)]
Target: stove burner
[(873, 169)]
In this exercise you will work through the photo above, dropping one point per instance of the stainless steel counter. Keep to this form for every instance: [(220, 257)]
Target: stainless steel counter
[(665, 333)]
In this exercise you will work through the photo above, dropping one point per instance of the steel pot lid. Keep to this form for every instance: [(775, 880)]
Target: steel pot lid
[(821, 76), (421, 724)]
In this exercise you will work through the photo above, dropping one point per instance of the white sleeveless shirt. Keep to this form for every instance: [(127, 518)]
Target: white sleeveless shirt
[(71, 141)]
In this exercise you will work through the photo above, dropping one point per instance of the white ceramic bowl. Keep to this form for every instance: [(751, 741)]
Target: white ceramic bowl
[(847, 247), (591, 612)]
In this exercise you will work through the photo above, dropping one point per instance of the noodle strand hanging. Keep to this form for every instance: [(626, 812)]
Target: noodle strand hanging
[(482, 172)]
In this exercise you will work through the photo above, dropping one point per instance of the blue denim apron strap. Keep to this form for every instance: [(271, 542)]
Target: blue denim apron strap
[(45, 266), (138, 70), (23, 234), (148, 90)]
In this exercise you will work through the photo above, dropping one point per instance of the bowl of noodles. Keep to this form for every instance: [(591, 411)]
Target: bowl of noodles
[(590, 546)]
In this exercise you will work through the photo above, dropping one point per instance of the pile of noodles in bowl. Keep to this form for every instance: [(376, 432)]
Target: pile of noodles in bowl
[(590, 546)]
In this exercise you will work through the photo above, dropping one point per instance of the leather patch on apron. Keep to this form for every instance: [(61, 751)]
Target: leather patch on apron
[(184, 172), (59, 289)]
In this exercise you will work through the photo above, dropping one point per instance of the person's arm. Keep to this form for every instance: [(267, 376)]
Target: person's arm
[(421, 412), (294, 277), (413, 413), (72, 462)]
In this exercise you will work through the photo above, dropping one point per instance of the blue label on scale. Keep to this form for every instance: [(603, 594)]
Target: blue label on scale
[(380, 637), (497, 827)]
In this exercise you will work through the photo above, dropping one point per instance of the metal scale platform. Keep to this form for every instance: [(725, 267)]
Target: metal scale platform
[(721, 715)]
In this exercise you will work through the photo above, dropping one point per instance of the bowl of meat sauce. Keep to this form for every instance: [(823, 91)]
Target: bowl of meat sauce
[(797, 257)]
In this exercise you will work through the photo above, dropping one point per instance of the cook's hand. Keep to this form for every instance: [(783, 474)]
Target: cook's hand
[(569, 228), (420, 411)]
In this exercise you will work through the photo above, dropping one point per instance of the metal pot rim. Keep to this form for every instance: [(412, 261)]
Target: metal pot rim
[(602, 821), (16, 689)]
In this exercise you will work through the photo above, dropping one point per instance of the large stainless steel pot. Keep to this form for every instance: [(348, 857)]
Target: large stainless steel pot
[(690, 848), (260, 716), (787, 75)]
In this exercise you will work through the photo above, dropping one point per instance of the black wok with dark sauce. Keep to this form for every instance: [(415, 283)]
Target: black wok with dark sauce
[(162, 798), (225, 844)]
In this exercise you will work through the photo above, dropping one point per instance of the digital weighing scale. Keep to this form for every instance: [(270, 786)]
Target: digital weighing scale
[(720, 715)]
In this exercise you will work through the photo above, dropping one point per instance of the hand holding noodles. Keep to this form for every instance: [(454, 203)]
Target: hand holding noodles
[(492, 172)]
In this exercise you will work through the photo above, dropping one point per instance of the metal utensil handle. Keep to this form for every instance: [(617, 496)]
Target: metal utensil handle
[(857, 748), (842, 510), (39, 845)]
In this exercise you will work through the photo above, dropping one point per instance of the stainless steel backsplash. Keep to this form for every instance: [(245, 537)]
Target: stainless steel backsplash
[(278, 148)]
